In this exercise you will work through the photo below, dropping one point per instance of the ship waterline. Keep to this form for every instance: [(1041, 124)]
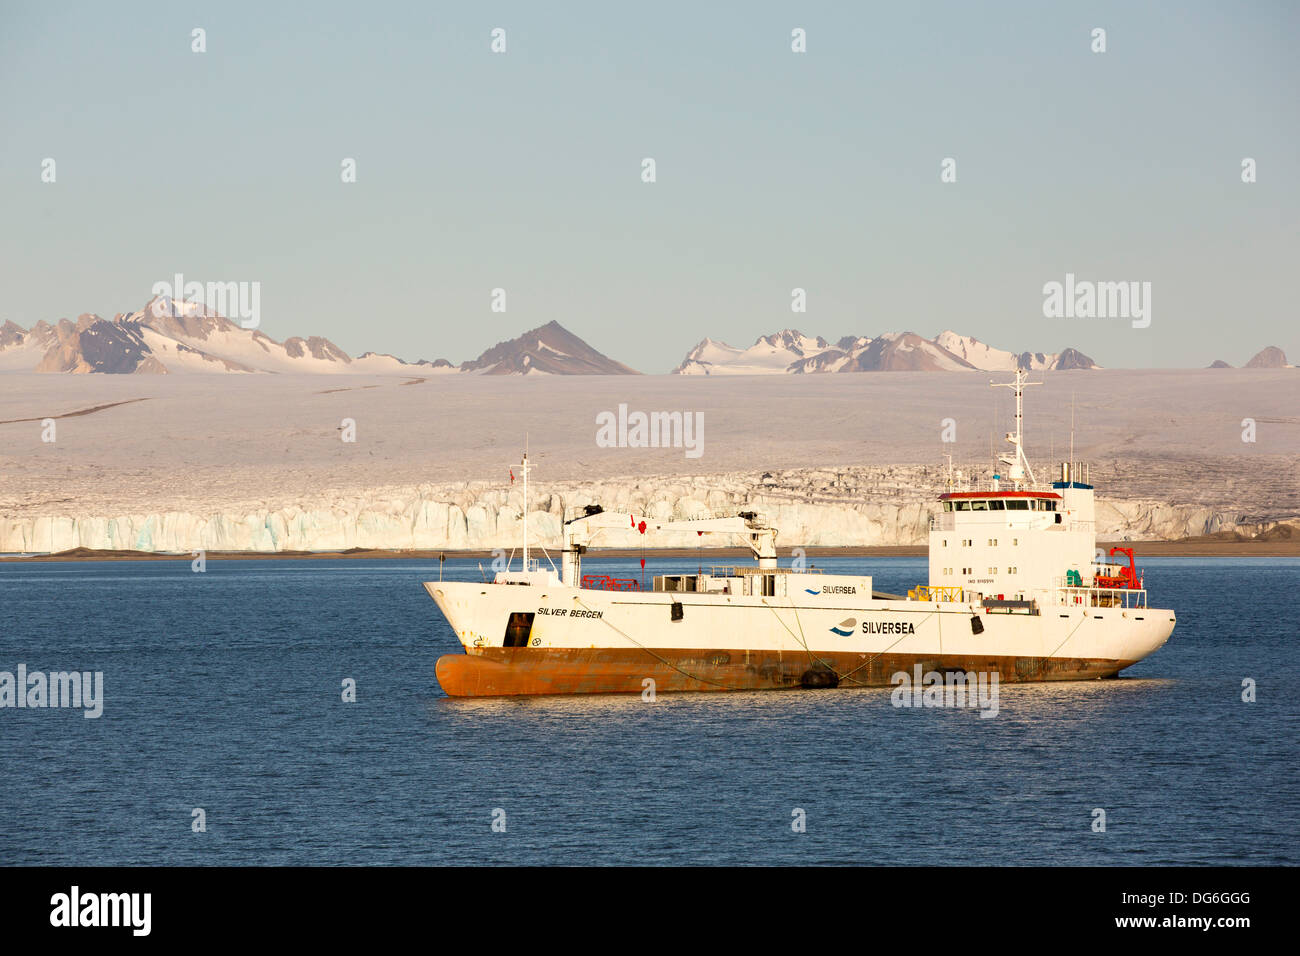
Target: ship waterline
[(505, 672)]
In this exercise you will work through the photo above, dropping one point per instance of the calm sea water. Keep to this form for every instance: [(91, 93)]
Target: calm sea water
[(223, 691)]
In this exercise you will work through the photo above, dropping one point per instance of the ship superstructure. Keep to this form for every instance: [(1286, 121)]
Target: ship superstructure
[(1016, 588)]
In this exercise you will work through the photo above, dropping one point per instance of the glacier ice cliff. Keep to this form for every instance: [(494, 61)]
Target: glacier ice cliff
[(852, 507)]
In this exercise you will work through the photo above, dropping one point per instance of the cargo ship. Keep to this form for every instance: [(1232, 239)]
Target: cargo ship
[(1016, 587)]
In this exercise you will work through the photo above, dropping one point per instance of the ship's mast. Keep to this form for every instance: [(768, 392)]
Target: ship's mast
[(1020, 470), (524, 468), (1069, 474)]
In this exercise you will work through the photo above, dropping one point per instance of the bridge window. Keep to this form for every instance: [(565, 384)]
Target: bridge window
[(947, 506), (979, 506), (997, 504), (1017, 504), (962, 505)]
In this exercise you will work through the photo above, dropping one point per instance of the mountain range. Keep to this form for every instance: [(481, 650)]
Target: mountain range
[(793, 353), (175, 337), (1270, 357), (171, 336)]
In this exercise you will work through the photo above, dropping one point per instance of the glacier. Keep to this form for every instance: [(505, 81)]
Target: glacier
[(858, 507)]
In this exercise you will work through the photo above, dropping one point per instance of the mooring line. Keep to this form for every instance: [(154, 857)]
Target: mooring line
[(887, 650), (799, 637), (1070, 635), (663, 660), (848, 674)]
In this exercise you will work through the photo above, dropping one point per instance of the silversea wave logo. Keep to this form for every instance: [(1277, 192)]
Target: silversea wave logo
[(845, 627)]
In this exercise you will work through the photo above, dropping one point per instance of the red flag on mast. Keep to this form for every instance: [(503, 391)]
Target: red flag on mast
[(512, 476)]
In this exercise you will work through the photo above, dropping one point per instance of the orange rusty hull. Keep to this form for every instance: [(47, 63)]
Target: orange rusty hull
[(512, 671)]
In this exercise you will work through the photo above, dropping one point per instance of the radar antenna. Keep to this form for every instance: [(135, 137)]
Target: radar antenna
[(1018, 468)]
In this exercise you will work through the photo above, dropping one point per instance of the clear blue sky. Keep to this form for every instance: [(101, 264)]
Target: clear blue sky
[(775, 170)]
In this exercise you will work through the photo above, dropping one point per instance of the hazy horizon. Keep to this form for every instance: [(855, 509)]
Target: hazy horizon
[(775, 170)]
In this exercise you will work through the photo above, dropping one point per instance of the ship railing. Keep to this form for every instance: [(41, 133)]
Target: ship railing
[(936, 592), (733, 571), (603, 582), (1000, 605), (1067, 596), (760, 519)]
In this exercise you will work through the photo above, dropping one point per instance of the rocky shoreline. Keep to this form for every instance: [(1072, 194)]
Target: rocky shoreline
[(1227, 546)]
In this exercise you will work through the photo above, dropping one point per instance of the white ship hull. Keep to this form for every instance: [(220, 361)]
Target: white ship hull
[(593, 641)]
